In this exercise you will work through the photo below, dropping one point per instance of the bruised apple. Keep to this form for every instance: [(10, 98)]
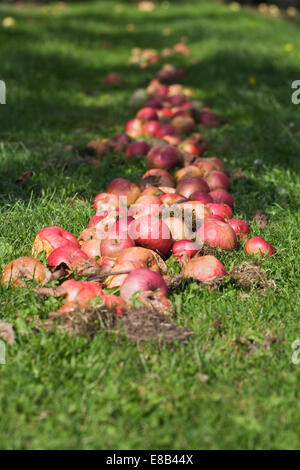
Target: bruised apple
[(50, 238), (163, 156), (217, 233), (183, 250), (259, 246), (65, 255), (24, 269), (204, 268), (142, 280)]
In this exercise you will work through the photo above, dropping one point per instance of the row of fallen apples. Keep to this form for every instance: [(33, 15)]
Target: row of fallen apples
[(125, 246)]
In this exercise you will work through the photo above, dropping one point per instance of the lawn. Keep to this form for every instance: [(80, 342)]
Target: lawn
[(231, 386)]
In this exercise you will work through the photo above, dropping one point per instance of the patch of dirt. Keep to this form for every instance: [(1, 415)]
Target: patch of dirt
[(249, 274), (260, 219), (209, 250), (137, 324), (7, 332)]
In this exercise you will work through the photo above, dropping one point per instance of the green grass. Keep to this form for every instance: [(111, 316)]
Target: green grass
[(58, 392)]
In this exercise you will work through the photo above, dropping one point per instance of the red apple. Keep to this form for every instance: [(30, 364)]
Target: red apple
[(50, 238), (240, 227), (142, 280), (217, 179), (126, 189), (217, 163), (201, 197), (188, 186), (116, 280), (114, 302), (146, 258), (65, 255), (137, 149), (120, 227), (145, 205), (204, 268), (151, 128), (187, 172), (259, 246), (192, 148), (178, 228), (209, 119), (171, 198), (223, 210), (160, 177), (217, 233), (135, 128), (163, 157), (105, 202), (165, 129), (183, 250), (221, 196), (97, 218), (113, 79), (172, 139), (91, 248), (152, 191), (148, 114), (183, 123), (112, 247), (151, 232), (119, 142)]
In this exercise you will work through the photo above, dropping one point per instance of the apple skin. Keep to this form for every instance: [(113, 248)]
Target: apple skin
[(142, 280), (50, 238), (65, 255), (135, 128), (221, 196), (152, 233), (152, 191), (217, 233), (183, 123), (187, 172), (188, 186), (120, 227), (164, 178), (116, 280), (119, 143), (259, 246), (151, 128), (165, 129), (204, 167), (223, 210), (217, 180), (217, 163), (113, 247), (125, 188), (137, 149), (204, 268), (183, 250), (240, 227), (97, 218), (201, 197), (173, 140), (113, 78), (163, 157), (148, 114), (25, 267), (114, 302), (209, 119)]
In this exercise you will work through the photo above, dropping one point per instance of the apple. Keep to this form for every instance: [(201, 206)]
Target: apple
[(96, 148), (169, 199), (151, 128), (221, 196), (217, 233), (126, 189), (135, 128), (113, 78), (112, 247), (65, 255), (137, 149), (119, 142), (91, 248), (223, 210), (183, 250), (204, 268), (142, 280), (165, 129), (151, 232), (120, 227), (152, 191), (114, 302), (240, 227), (259, 246), (146, 258), (163, 157), (217, 179), (148, 114), (27, 268), (145, 205), (183, 123), (188, 171), (188, 186), (50, 238), (172, 139), (105, 202), (97, 218), (204, 166), (201, 197), (190, 147), (208, 118), (159, 176), (213, 217)]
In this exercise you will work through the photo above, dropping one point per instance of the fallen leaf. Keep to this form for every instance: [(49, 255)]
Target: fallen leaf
[(24, 177)]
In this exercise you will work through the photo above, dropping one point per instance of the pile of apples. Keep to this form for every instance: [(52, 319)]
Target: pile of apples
[(138, 225)]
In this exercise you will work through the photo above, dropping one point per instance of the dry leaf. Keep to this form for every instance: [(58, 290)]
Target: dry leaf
[(7, 332), (24, 177)]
